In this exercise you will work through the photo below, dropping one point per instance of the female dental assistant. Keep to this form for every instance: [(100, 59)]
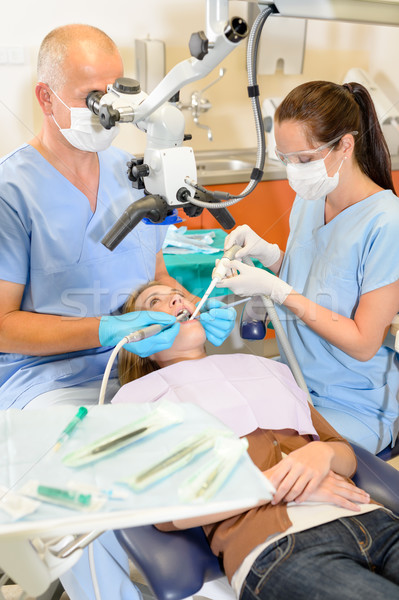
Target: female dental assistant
[(338, 284)]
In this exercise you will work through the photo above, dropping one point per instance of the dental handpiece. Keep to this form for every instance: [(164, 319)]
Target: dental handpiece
[(219, 274), (146, 332)]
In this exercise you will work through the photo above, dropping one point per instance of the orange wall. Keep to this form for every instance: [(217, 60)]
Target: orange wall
[(266, 210)]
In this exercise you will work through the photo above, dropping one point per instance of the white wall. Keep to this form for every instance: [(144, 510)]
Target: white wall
[(331, 49)]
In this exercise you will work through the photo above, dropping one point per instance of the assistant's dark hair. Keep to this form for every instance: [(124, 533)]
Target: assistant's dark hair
[(328, 111)]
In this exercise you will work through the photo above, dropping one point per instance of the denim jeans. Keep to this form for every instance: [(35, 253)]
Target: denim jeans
[(351, 558)]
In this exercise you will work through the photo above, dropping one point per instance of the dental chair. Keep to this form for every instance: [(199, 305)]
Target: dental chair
[(179, 564), (389, 453)]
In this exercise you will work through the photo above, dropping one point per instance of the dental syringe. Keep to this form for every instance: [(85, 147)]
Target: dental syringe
[(220, 273), (146, 332)]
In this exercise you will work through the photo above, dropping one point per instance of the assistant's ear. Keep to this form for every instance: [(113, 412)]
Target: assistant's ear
[(348, 144), (44, 98)]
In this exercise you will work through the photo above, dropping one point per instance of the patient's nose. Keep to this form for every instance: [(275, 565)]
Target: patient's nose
[(175, 299)]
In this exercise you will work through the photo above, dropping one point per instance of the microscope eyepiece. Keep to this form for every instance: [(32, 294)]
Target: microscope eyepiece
[(93, 101), (107, 114)]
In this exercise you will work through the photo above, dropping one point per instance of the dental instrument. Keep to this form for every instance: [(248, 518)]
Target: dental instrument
[(136, 336), (165, 415), (65, 435), (230, 305), (237, 302), (178, 458), (127, 437), (202, 484), (146, 332), (219, 274)]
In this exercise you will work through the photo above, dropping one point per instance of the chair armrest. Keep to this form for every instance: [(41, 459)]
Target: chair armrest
[(377, 477), (175, 564)]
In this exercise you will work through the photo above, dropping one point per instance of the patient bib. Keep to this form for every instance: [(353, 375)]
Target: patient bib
[(244, 391)]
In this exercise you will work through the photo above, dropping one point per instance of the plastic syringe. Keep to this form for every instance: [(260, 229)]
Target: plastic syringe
[(220, 273), (146, 332), (66, 433)]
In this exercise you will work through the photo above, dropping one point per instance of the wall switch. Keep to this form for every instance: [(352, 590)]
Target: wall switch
[(16, 55), (12, 55), (3, 56)]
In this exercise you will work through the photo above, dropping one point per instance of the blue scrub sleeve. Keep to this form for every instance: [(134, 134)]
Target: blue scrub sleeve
[(161, 234), (14, 246), (381, 266)]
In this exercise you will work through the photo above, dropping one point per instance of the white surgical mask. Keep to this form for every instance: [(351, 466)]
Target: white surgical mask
[(310, 180), (86, 132)]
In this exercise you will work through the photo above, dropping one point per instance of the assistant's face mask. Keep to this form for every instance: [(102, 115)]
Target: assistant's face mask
[(310, 180), (86, 132)]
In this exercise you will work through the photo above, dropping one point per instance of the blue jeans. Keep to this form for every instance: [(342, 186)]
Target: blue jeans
[(349, 558)]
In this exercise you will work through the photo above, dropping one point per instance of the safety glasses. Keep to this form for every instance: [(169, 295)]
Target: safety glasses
[(304, 156)]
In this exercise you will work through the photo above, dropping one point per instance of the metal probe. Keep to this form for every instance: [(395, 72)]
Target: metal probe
[(220, 273)]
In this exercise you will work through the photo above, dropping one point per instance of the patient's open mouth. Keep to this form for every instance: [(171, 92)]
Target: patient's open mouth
[(183, 315)]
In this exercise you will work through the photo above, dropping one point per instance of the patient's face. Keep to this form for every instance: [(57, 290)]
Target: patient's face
[(172, 301)]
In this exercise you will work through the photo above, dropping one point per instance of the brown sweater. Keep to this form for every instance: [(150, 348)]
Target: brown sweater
[(234, 538)]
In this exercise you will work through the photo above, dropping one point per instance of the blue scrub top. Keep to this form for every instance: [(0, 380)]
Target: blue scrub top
[(50, 241), (333, 264)]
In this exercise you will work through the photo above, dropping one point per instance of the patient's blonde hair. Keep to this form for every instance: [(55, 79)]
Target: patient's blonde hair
[(131, 366)]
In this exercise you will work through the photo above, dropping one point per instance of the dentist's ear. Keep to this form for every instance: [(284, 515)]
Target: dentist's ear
[(44, 98)]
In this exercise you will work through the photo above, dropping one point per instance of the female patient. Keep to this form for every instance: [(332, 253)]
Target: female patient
[(344, 546)]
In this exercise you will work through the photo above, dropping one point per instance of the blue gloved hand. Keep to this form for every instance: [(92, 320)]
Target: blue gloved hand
[(218, 322), (113, 328)]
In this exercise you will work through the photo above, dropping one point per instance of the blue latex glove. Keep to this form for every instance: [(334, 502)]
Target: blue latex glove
[(113, 328), (218, 322)]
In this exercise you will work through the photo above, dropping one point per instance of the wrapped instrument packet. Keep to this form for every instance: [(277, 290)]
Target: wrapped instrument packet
[(16, 505), (179, 456), (204, 484), (69, 497), (178, 241), (164, 415)]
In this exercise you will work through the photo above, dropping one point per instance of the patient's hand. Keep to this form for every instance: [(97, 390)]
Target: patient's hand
[(300, 473), (337, 490), (306, 475)]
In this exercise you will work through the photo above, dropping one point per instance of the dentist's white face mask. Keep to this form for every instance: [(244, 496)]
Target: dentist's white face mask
[(310, 180), (86, 132)]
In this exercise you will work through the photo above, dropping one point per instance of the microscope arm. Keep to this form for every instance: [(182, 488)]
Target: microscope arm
[(167, 165)]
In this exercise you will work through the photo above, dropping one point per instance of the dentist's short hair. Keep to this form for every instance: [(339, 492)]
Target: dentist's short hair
[(55, 46)]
